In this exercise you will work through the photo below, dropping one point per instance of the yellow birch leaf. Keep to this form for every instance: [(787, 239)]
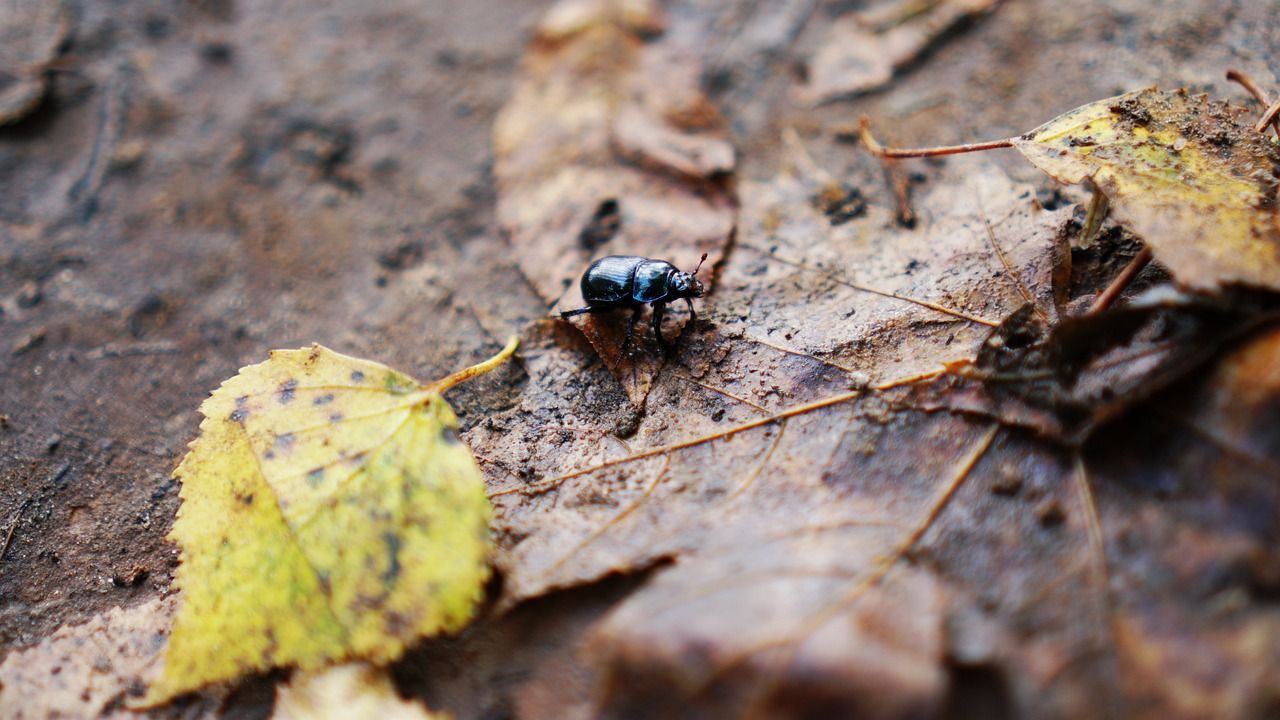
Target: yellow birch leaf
[(329, 512), (1189, 176), (352, 690)]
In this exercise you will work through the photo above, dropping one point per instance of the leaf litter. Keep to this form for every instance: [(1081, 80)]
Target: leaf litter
[(829, 539), (609, 147), (1192, 177)]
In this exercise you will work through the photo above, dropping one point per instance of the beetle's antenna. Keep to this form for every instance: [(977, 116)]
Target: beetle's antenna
[(704, 259)]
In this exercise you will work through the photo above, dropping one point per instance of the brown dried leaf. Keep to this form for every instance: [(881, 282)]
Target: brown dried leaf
[(88, 670), (827, 551), (608, 147), (863, 49)]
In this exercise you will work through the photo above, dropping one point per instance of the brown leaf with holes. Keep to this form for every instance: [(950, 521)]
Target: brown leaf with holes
[(608, 147)]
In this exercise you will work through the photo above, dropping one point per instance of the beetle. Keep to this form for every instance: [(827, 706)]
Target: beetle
[(631, 281)]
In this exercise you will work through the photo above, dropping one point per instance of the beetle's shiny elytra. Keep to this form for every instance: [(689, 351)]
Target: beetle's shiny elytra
[(631, 281)]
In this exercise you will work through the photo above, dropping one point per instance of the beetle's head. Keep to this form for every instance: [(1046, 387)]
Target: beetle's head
[(687, 284)]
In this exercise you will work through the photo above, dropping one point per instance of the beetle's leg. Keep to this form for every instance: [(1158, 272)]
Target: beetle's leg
[(658, 309), (693, 316), (631, 328), (565, 315)]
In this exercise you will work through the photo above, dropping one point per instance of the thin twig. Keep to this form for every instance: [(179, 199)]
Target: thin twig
[(815, 622), (1101, 573), (17, 518), (611, 522), (547, 484), (875, 148), (1272, 115), (1018, 285), (1238, 76), (1121, 281), (717, 390), (883, 293)]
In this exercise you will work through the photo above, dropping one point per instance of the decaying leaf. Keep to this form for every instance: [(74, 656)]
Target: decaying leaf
[(1191, 177), (329, 512), (87, 670), (1063, 381), (863, 49), (30, 33), (913, 302), (608, 147), (823, 545), (353, 690)]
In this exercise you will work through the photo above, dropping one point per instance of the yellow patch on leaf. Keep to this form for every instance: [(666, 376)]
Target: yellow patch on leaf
[(1189, 176), (329, 512)]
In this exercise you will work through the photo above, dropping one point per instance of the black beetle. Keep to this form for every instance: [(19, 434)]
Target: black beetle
[(631, 281)]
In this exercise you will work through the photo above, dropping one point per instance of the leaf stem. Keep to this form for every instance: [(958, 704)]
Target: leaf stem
[(478, 369), (875, 148)]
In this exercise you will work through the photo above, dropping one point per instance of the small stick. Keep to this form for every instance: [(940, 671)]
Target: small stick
[(17, 518), (864, 131), (1247, 82), (1121, 282), (1258, 94), (1272, 115)]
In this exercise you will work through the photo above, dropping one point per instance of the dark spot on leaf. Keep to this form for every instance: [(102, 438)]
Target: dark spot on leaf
[(241, 413), (357, 376), (284, 442), (335, 417), (315, 477), (247, 499), (323, 399), (449, 435), (393, 557), (288, 389)]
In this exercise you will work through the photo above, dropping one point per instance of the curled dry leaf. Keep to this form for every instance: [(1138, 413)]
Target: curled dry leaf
[(863, 49), (352, 690), (1192, 177), (329, 512), (1065, 380), (30, 33), (608, 147)]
